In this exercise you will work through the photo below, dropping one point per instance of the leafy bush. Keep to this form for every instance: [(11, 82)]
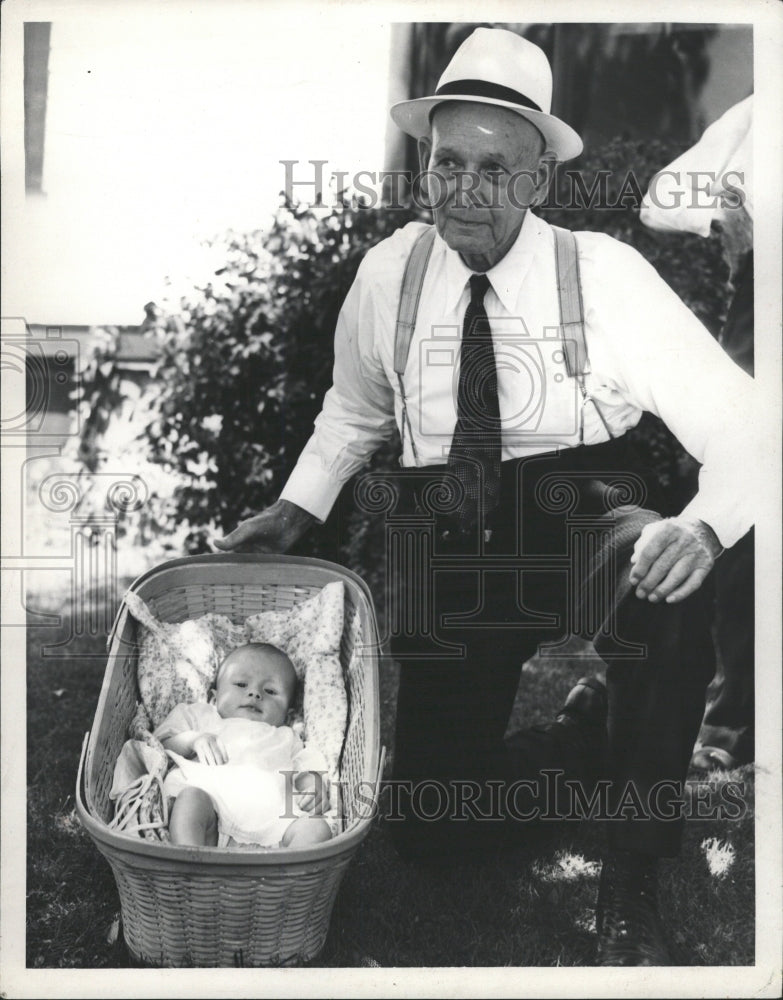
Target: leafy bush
[(246, 359), (243, 365)]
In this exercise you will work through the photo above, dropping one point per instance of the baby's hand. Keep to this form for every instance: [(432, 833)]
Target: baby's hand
[(314, 797), (210, 749)]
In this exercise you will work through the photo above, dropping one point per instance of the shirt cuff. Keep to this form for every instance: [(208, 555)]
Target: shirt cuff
[(312, 488), (728, 525), (672, 219)]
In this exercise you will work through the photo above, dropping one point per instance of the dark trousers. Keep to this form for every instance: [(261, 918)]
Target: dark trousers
[(728, 720), (556, 564)]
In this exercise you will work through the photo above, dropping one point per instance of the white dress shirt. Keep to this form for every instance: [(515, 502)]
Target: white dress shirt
[(686, 195), (647, 351)]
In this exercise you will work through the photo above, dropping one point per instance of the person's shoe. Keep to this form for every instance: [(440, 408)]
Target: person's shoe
[(578, 732), (586, 705), (713, 759), (580, 727), (630, 930)]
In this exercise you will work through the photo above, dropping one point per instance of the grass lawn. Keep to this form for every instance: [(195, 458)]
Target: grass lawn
[(530, 906)]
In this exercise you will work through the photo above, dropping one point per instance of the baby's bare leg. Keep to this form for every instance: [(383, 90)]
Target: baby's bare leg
[(193, 819), (306, 831)]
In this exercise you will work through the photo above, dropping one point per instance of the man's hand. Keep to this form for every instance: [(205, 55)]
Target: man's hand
[(273, 530), (313, 797), (736, 229), (209, 749), (672, 557)]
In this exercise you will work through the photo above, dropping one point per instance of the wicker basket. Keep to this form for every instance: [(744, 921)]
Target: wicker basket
[(210, 906)]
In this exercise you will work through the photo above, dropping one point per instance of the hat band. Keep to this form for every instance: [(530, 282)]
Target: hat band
[(482, 88)]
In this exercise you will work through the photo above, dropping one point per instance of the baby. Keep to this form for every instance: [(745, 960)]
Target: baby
[(229, 786)]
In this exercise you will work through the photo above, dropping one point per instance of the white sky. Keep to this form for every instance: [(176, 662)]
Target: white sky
[(165, 125)]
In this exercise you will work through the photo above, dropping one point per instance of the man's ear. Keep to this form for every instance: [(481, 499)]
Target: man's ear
[(542, 178), (424, 146)]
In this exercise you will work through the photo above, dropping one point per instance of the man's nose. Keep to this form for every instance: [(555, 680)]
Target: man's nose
[(471, 189)]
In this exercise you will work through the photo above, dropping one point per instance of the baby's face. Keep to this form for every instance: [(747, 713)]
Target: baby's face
[(256, 684)]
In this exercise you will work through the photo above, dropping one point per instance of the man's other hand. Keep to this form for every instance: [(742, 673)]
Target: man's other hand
[(672, 557), (273, 530)]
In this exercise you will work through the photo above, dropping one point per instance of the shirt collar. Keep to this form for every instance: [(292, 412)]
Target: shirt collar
[(506, 276)]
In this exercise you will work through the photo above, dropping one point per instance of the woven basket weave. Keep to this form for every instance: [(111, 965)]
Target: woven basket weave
[(209, 906)]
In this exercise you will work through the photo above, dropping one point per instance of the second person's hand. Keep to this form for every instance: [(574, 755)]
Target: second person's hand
[(274, 530)]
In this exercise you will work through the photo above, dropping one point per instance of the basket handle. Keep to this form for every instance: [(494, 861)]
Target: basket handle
[(379, 773), (80, 807), (119, 624)]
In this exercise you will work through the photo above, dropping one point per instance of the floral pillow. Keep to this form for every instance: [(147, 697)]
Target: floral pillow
[(178, 662)]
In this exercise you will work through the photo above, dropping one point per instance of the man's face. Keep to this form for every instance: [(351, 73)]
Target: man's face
[(486, 171), (256, 684)]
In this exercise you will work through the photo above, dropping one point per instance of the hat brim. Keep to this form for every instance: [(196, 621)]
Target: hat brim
[(413, 117)]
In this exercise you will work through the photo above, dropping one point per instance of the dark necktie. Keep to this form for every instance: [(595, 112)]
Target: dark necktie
[(474, 457)]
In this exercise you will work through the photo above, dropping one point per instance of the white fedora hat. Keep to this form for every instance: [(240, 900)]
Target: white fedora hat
[(496, 66)]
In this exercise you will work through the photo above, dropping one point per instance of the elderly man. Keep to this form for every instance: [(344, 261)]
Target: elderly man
[(513, 359)]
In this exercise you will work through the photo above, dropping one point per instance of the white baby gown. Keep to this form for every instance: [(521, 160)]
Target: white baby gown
[(252, 794)]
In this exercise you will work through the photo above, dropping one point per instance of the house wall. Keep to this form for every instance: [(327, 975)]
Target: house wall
[(165, 125)]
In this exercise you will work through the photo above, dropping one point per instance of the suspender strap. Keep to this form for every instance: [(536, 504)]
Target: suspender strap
[(569, 291), (410, 293), (412, 282), (572, 319)]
